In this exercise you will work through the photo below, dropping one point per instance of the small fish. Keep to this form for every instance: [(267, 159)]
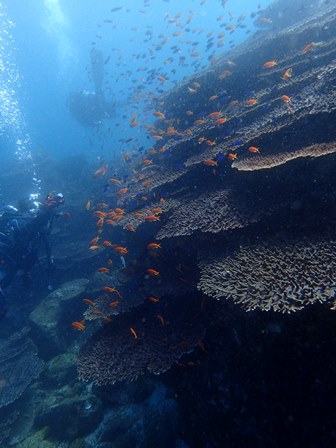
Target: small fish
[(94, 247), (213, 97), (114, 303), (251, 102), (100, 222), (154, 246), (287, 74), (120, 211), (285, 98), (232, 156), (94, 240), (153, 299), (100, 172), (89, 302), (153, 272), (152, 218), (107, 320), (130, 228), (159, 115), (148, 162), (88, 205), (161, 319), (138, 215), (221, 120), (109, 261), (157, 137), (78, 326), (99, 213), (133, 333), (215, 114), (308, 47), (103, 269), (253, 149), (270, 64), (122, 191), (199, 122), (115, 181), (210, 162)]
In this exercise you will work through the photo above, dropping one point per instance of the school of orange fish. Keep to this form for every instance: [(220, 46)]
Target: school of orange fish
[(161, 132)]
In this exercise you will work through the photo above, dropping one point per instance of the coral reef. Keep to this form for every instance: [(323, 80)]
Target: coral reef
[(285, 277), (139, 343), (272, 160)]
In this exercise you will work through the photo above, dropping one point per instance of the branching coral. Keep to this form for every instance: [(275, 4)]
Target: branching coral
[(281, 278), (135, 344)]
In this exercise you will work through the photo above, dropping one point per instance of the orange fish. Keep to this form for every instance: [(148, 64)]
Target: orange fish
[(232, 156), (133, 333), (94, 247), (130, 228), (221, 120), (199, 121), (107, 320), (161, 319), (153, 272), (152, 218), (157, 137), (153, 299), (270, 64), (120, 249), (154, 246), (97, 313), (99, 213), (122, 191), (101, 172), (210, 142), (287, 74), (251, 102), (94, 240), (285, 98), (201, 139), (157, 210), (114, 303), (253, 149), (78, 325), (215, 114), (213, 97), (115, 181), (100, 222), (120, 211), (103, 269), (138, 215), (308, 47), (148, 162), (201, 346), (107, 243), (88, 205), (210, 162), (89, 302), (108, 289), (159, 114)]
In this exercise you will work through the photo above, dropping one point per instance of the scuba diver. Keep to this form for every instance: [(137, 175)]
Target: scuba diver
[(23, 231)]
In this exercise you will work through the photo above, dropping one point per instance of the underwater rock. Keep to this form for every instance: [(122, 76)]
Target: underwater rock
[(19, 366), (51, 319), (68, 412), (60, 370), (153, 422)]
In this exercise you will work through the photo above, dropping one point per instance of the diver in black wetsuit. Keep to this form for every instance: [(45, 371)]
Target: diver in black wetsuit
[(21, 237)]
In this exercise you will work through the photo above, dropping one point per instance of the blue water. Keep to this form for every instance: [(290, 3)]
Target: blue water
[(51, 47)]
